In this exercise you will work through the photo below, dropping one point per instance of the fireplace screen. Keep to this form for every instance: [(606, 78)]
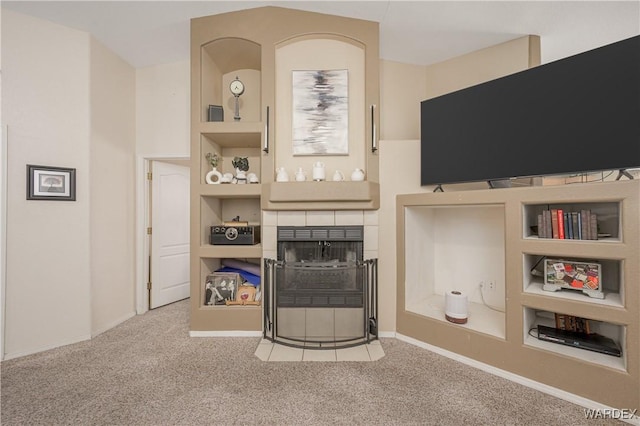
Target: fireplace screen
[(320, 290)]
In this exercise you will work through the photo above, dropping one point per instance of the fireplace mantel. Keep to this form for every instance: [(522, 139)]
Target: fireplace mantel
[(347, 195)]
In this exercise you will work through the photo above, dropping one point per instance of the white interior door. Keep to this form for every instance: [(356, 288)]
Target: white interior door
[(170, 233)]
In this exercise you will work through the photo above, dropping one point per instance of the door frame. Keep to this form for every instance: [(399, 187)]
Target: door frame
[(143, 216), (4, 164)]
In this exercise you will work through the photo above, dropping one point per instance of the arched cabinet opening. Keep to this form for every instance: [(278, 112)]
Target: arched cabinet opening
[(221, 62)]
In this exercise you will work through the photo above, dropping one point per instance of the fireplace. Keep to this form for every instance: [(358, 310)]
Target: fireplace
[(320, 292)]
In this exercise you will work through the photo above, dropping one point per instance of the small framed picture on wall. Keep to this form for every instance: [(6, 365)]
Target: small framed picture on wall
[(51, 183)]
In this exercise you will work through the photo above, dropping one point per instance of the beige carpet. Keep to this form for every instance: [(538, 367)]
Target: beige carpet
[(148, 371)]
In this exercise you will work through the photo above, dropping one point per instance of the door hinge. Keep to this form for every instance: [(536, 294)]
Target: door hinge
[(149, 176), (149, 231), (149, 285)]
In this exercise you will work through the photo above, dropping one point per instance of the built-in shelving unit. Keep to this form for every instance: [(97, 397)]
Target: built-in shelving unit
[(461, 239), (220, 52), (239, 45)]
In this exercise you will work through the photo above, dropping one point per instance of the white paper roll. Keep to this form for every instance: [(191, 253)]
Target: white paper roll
[(456, 307)]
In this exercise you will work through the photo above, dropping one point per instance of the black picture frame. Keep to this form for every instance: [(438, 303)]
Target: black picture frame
[(51, 183)]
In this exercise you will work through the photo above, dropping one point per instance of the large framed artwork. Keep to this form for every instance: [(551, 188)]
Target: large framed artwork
[(51, 183), (320, 112)]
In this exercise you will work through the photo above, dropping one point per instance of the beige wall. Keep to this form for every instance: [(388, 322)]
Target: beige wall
[(45, 104), (162, 110), (402, 88), (111, 163), (482, 65), (400, 158)]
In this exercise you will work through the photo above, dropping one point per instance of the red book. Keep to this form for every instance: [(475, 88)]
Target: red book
[(560, 224)]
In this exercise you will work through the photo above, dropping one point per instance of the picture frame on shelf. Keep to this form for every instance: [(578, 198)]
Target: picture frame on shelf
[(221, 287), (246, 295), (51, 183)]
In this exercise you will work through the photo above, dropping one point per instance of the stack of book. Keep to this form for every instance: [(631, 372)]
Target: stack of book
[(560, 224)]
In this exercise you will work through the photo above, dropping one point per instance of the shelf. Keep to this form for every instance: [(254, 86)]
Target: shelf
[(229, 191), (610, 299), (481, 318), (233, 134), (607, 213), (604, 360), (611, 277), (312, 195), (224, 307), (231, 251), (534, 317)]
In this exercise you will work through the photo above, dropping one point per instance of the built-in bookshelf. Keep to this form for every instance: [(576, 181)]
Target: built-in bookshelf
[(490, 237)]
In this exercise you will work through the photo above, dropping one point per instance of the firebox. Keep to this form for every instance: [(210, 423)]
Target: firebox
[(320, 292)]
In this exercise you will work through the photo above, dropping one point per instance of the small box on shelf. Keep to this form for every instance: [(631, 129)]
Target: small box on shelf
[(575, 275)]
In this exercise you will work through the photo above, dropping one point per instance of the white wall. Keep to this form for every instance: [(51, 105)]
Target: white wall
[(112, 168), (3, 207), (45, 105), (68, 102), (162, 110), (163, 94)]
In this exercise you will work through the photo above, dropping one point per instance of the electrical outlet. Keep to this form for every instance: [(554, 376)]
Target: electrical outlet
[(491, 285)]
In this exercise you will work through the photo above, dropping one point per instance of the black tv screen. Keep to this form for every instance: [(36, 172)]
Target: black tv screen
[(574, 115)]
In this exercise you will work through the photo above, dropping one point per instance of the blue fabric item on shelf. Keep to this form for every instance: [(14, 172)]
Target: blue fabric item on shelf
[(251, 278)]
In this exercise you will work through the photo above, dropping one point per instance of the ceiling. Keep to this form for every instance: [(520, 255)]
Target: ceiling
[(147, 33)]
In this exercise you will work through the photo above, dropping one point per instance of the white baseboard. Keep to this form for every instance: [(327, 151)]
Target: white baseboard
[(12, 355), (112, 324), (391, 334), (550, 390), (229, 333)]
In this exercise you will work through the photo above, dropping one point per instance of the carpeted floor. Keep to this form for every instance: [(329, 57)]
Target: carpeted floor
[(148, 371)]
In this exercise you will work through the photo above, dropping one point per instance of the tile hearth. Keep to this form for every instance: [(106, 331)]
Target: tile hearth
[(269, 351)]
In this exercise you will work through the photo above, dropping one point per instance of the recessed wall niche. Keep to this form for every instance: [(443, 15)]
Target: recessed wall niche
[(456, 248), (221, 61), (321, 53)]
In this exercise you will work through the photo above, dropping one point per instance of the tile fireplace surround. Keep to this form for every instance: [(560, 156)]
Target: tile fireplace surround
[(271, 220)]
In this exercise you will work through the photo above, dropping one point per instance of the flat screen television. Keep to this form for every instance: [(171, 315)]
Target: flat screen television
[(574, 115)]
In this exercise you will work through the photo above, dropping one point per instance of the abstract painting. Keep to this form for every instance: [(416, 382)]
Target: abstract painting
[(320, 112)]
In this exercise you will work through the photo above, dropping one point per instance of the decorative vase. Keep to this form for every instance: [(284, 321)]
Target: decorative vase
[(241, 176), (213, 176)]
